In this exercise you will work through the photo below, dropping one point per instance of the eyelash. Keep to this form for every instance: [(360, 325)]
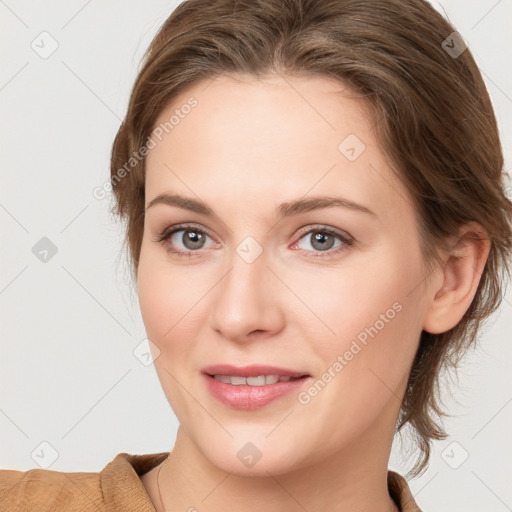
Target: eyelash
[(167, 233)]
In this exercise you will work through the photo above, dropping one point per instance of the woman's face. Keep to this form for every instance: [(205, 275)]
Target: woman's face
[(271, 274)]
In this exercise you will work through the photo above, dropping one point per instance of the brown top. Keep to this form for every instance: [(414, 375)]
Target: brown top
[(117, 488)]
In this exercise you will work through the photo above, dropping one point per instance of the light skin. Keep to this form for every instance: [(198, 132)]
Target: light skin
[(247, 147)]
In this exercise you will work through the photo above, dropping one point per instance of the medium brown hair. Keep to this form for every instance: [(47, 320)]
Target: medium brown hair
[(434, 119)]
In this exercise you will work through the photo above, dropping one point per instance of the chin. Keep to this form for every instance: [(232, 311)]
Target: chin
[(252, 454)]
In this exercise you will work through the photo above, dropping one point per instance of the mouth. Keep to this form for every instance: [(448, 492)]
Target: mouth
[(252, 387)]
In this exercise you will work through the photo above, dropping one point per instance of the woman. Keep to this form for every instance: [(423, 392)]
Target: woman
[(317, 226)]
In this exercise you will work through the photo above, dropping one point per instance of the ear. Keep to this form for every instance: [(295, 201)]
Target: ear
[(459, 279)]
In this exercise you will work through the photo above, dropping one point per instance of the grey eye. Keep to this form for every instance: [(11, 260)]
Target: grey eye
[(191, 239)]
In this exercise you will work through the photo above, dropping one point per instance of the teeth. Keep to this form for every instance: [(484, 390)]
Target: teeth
[(223, 378), (260, 380)]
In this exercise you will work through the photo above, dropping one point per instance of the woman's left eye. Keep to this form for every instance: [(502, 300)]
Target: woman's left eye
[(321, 238)]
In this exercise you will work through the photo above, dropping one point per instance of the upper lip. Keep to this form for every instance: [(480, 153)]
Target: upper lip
[(251, 370)]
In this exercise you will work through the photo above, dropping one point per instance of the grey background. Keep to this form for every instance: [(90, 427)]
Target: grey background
[(69, 325)]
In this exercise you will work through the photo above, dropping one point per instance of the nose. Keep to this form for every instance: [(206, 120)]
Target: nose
[(246, 304)]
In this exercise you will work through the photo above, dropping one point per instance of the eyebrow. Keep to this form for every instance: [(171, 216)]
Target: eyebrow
[(287, 209)]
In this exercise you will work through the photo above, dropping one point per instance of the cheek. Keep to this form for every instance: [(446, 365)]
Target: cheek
[(375, 317), (169, 295), (368, 293)]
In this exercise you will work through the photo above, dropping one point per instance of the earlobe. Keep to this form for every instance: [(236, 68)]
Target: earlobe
[(460, 277)]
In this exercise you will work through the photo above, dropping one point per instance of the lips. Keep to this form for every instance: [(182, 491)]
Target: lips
[(252, 387)]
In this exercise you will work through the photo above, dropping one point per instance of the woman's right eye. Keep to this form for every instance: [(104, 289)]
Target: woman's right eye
[(183, 240)]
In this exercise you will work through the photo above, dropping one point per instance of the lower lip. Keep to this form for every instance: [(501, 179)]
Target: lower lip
[(251, 397)]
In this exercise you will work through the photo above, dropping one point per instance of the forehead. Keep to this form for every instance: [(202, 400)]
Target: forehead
[(272, 138), (268, 111)]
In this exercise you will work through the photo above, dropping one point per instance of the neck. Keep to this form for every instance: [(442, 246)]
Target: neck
[(354, 480)]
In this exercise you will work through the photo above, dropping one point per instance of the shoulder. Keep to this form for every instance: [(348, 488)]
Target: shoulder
[(116, 487), (399, 490), (27, 490)]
